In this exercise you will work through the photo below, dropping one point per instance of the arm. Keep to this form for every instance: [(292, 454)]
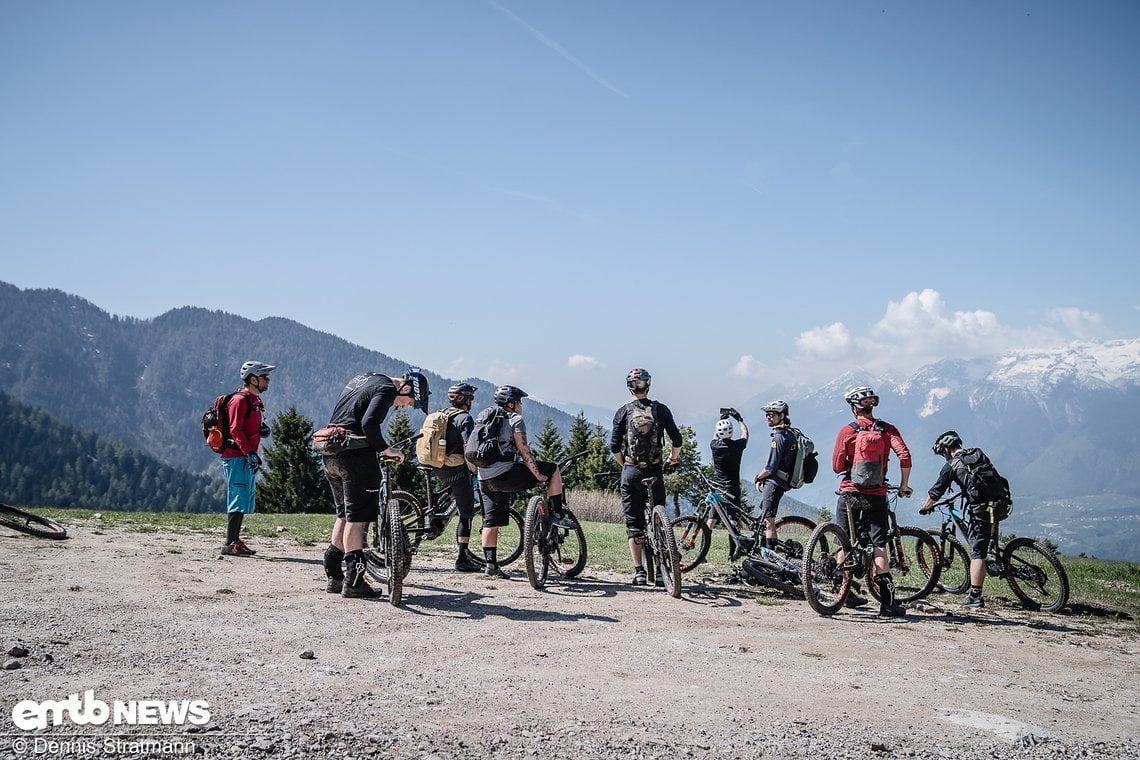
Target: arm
[(840, 459), (670, 427), (237, 411), (372, 421), (743, 430), (903, 453), (941, 485), (527, 456), (617, 434)]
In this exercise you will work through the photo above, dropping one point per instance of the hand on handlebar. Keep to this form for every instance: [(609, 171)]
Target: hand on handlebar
[(395, 454), (671, 465), (905, 491), (926, 510)]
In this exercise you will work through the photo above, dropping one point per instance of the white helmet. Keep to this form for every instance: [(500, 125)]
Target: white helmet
[(861, 395), (724, 429), (251, 368)]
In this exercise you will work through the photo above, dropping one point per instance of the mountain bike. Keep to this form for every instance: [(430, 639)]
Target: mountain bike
[(1034, 572), (33, 525), (388, 557), (428, 522), (832, 561), (694, 536), (662, 557), (550, 547)]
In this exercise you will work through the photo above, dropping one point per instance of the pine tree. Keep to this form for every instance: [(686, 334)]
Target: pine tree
[(548, 446), (405, 476), (292, 480), (599, 462), (579, 475)]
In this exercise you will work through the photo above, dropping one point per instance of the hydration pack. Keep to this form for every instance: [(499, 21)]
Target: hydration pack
[(484, 447), (642, 435), (983, 484), (431, 446), (216, 424), (869, 463), (805, 465)]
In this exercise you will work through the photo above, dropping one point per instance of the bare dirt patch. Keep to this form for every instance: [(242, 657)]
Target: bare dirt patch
[(596, 668)]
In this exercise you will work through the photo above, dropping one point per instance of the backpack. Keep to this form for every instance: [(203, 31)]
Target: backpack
[(431, 446), (642, 435), (216, 424), (868, 465), (806, 463), (484, 448), (983, 484)]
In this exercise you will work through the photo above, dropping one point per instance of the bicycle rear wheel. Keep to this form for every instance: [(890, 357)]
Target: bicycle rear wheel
[(33, 525), (792, 533), (669, 559), (955, 575), (915, 564), (534, 530), (693, 540), (826, 585), (1036, 575), (509, 545), (567, 548), (413, 515)]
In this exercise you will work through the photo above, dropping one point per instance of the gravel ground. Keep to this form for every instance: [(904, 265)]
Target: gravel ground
[(468, 667)]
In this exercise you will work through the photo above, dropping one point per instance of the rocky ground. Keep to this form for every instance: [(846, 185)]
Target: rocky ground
[(494, 669)]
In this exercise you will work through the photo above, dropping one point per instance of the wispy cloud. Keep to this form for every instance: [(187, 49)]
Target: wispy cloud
[(748, 367), (1081, 323), (545, 40), (578, 361)]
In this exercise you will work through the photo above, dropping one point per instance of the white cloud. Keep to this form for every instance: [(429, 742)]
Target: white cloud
[(747, 367), (1082, 324), (578, 361), (500, 372), (834, 340)]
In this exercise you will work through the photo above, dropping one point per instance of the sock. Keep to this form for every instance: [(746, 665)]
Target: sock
[(489, 555), (975, 591), (354, 567), (233, 527), (333, 559), (460, 550)]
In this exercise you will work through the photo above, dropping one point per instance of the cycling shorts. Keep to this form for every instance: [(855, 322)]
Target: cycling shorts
[(633, 495), (870, 511), (354, 478)]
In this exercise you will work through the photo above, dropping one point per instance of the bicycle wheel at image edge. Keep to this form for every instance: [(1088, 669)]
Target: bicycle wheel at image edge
[(1036, 575), (693, 540), (536, 565), (825, 586), (33, 525), (413, 515), (669, 563)]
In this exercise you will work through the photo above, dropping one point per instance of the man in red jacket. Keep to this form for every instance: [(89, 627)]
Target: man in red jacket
[(239, 458), (862, 450)]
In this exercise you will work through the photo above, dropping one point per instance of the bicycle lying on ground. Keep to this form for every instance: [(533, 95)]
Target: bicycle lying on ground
[(832, 561), (547, 546), (1034, 572), (388, 557), (694, 536), (33, 525)]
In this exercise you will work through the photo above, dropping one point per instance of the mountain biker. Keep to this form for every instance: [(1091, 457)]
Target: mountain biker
[(726, 454), (240, 460), (636, 439), (868, 492), (772, 481), (458, 478), (354, 475), (519, 472), (981, 527)]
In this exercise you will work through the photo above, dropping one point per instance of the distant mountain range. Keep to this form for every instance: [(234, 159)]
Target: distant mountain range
[(1063, 426)]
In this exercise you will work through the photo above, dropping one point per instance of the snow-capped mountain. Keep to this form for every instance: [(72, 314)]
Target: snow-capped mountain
[(1063, 425)]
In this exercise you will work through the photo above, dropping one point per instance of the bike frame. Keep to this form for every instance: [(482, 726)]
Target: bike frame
[(719, 502)]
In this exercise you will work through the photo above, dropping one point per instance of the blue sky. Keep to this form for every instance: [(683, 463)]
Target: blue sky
[(730, 194)]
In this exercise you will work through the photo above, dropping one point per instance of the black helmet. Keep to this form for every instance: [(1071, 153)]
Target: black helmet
[(461, 392), (779, 406), (504, 394), (946, 441), (420, 390), (638, 380)]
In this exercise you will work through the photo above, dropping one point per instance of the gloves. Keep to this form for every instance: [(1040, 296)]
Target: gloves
[(264, 430), (253, 461), (735, 415), (925, 510)]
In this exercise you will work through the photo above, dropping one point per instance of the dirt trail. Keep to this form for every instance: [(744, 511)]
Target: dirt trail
[(470, 667)]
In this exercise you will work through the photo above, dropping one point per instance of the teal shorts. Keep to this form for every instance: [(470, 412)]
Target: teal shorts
[(241, 485)]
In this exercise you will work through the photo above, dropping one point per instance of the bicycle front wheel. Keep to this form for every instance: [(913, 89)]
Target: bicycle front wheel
[(669, 558), (693, 540), (825, 584), (534, 529), (792, 534), (1036, 575), (33, 525), (955, 575), (412, 515), (566, 548), (915, 564), (398, 554), (510, 543)]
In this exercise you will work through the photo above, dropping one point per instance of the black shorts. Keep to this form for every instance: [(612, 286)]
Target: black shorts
[(354, 478), (498, 491), (980, 531), (870, 511), (633, 495), (770, 496)]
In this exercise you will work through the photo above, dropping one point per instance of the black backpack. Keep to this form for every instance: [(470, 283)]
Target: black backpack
[(642, 435), (216, 424), (983, 483), (483, 447)]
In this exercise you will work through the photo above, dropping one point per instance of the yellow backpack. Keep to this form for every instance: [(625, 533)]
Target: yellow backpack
[(431, 446)]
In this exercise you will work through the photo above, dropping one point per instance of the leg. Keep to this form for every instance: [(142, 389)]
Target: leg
[(770, 496), (362, 483), (633, 505)]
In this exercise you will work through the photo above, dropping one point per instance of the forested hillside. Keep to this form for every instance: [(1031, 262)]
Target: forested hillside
[(44, 462)]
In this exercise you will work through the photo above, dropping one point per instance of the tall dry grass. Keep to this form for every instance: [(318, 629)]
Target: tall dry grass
[(595, 506)]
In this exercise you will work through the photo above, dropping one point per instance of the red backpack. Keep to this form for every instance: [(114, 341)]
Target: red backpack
[(869, 463)]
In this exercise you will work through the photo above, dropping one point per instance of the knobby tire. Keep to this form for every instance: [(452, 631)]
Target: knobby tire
[(916, 572), (955, 575), (1036, 575), (825, 587), (413, 515), (536, 566), (792, 534), (33, 525), (669, 560), (398, 553), (693, 540)]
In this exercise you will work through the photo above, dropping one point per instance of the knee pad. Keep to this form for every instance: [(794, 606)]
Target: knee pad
[(464, 530)]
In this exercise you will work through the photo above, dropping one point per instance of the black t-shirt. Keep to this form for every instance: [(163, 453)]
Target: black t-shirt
[(459, 427), (363, 405), (726, 458)]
